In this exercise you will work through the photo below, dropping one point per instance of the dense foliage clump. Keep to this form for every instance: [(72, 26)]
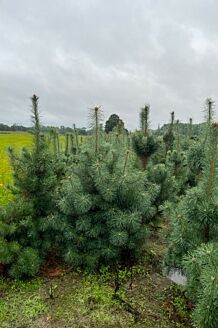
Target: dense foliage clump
[(144, 142), (104, 209), (113, 122)]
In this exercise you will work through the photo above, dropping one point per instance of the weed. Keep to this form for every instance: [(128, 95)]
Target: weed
[(21, 302)]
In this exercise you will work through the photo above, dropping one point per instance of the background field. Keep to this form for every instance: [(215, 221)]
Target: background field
[(17, 141)]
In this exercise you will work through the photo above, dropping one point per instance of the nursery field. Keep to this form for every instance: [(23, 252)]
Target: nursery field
[(57, 298), (98, 229)]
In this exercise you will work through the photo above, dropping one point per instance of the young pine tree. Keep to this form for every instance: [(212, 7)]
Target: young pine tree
[(195, 219), (176, 164), (144, 143), (193, 240), (27, 234), (201, 270), (209, 116), (164, 185), (169, 136), (103, 206), (195, 162)]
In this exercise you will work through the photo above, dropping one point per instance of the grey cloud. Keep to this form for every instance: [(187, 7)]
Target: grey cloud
[(120, 54)]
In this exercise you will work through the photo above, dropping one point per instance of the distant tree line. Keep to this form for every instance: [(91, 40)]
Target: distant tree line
[(113, 122), (62, 129), (183, 128), (14, 127)]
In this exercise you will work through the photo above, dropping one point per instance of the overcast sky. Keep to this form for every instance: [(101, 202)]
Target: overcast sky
[(120, 54)]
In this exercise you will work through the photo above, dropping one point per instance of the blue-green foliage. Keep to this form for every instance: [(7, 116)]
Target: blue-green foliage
[(104, 208), (193, 237), (201, 269), (195, 219), (164, 183), (144, 143), (188, 222), (144, 146), (176, 163), (196, 162), (26, 236)]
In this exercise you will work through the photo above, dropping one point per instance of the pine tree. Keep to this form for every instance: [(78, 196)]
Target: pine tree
[(196, 162), (54, 140), (190, 129), (103, 206), (176, 164), (209, 116), (195, 220), (201, 269), (169, 137), (164, 185), (27, 235), (144, 142)]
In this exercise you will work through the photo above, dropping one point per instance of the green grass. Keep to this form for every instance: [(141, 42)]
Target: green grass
[(86, 300), (20, 302), (16, 141), (83, 300)]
